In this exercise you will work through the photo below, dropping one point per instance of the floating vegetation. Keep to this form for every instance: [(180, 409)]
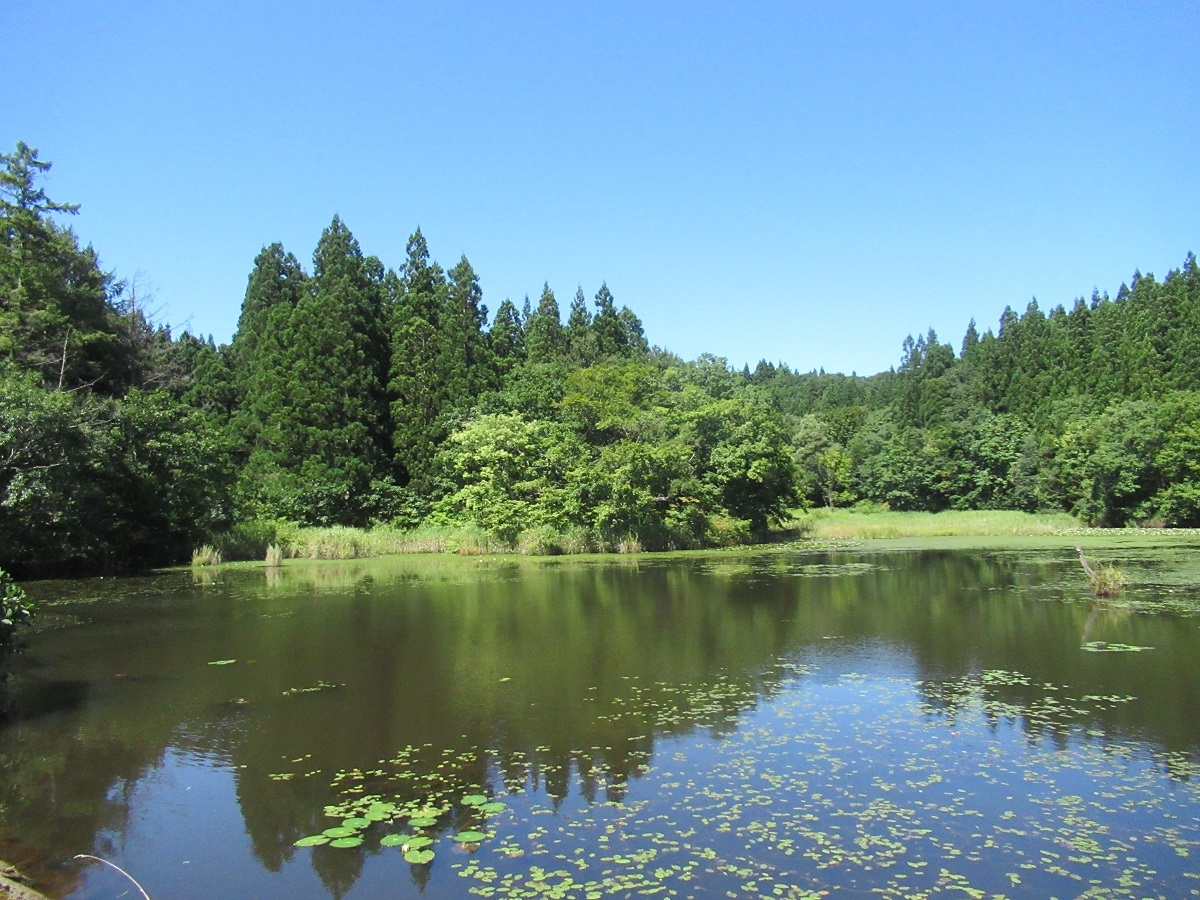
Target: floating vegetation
[(843, 783), (1104, 647)]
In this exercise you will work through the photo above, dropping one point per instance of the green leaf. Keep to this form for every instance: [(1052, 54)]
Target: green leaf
[(393, 840), (422, 822), (494, 807), (346, 842), (419, 857), (418, 842), (340, 831), (313, 840), (470, 837), (356, 822), (474, 800)]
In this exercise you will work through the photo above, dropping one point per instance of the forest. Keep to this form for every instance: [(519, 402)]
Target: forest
[(357, 394)]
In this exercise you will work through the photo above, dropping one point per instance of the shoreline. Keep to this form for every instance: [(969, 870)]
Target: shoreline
[(15, 886)]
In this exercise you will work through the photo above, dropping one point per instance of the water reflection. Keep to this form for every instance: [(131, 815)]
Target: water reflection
[(559, 679)]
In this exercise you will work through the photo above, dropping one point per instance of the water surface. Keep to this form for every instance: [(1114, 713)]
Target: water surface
[(845, 723)]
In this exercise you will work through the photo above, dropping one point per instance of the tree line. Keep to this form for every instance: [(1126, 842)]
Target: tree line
[(1093, 410), (352, 394), (357, 394)]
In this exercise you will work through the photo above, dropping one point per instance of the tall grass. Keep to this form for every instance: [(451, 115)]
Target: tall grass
[(1105, 579), (876, 523), (206, 556)]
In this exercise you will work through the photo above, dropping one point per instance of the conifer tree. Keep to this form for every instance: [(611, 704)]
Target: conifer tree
[(607, 331), (55, 312), (323, 423), (545, 339), (635, 335), (416, 384), (465, 364), (580, 343), (506, 340)]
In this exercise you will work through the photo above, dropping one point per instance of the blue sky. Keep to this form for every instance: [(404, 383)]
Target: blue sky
[(790, 181)]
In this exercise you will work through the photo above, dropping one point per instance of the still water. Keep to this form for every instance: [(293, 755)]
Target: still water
[(850, 723)]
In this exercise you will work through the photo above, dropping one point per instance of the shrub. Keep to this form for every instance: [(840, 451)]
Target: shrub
[(724, 530), (15, 609)]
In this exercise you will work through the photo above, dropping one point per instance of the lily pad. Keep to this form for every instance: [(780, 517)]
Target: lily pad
[(494, 807), (313, 840), (419, 857), (474, 800), (340, 831), (418, 842), (470, 837), (346, 842), (356, 822), (394, 840), (422, 822)]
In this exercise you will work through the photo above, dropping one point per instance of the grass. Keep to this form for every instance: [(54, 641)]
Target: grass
[(1105, 579), (206, 556), (834, 524)]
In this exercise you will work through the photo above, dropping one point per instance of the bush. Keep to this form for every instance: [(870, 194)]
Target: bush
[(250, 540), (15, 610), (725, 531)]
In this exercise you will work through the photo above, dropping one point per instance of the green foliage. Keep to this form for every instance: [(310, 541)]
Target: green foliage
[(633, 454), (15, 611)]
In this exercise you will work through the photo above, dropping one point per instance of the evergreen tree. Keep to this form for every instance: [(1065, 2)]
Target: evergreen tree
[(465, 361), (417, 385), (324, 423), (545, 340), (607, 329), (580, 342), (634, 333), (55, 315), (506, 340)]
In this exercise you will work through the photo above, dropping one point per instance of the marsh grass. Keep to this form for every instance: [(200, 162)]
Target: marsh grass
[(340, 542), (1105, 579), (206, 556), (274, 555), (877, 523)]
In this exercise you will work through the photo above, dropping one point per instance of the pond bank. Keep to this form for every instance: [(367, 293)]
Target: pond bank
[(14, 885)]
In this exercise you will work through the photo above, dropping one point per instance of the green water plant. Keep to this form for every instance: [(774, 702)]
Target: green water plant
[(274, 556), (1105, 579), (206, 555), (15, 609)]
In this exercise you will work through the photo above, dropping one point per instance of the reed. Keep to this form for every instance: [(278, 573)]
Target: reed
[(874, 523), (274, 556), (206, 556)]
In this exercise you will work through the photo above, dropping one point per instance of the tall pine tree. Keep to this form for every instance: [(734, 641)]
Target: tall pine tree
[(545, 339), (323, 426), (416, 384)]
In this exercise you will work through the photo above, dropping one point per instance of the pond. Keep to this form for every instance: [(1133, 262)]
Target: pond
[(853, 722)]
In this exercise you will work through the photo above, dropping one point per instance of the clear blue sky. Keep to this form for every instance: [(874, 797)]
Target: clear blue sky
[(800, 182)]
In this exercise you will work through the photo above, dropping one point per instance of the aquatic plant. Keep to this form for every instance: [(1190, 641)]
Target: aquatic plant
[(15, 608), (206, 555), (274, 555), (1105, 579)]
